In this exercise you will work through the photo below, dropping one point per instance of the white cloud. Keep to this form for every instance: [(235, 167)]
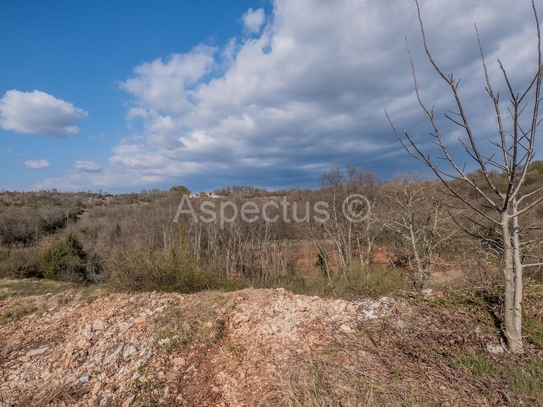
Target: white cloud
[(308, 91), (87, 166), (253, 20), (37, 164), (166, 86), (39, 113)]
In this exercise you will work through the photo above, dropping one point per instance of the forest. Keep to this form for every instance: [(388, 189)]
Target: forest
[(414, 237)]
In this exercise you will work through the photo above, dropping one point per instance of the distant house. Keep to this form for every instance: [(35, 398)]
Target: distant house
[(205, 194)]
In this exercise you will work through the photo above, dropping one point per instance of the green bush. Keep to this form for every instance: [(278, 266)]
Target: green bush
[(19, 263), (371, 281), (148, 269), (64, 260)]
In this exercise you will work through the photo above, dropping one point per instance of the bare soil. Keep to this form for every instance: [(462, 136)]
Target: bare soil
[(251, 348)]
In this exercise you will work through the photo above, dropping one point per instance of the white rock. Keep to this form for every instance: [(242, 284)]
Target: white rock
[(36, 352), (111, 358), (370, 314), (494, 348), (88, 334), (98, 325), (301, 306), (178, 362), (129, 351), (345, 328)]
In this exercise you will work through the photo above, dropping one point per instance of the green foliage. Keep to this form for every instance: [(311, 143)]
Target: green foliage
[(322, 262), (537, 167), (532, 316), (19, 263), (372, 281), (17, 312), (30, 287), (179, 190), (64, 260), (166, 269), (523, 378), (518, 376), (477, 364), (246, 190)]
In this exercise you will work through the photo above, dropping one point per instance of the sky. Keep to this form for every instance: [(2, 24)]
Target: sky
[(121, 96)]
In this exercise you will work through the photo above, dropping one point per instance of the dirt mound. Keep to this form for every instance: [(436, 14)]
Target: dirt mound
[(248, 348)]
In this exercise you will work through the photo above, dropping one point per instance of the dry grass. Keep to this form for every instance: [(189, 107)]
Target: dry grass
[(20, 298), (31, 286), (431, 352), (198, 320), (64, 395), (436, 356)]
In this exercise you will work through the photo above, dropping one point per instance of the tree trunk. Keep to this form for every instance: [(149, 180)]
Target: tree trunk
[(512, 333), (517, 265)]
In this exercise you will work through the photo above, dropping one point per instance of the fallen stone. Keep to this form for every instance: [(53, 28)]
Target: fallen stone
[(98, 325), (113, 357), (96, 388), (301, 306), (36, 352), (128, 401), (345, 328), (140, 320), (496, 349), (178, 362), (370, 314)]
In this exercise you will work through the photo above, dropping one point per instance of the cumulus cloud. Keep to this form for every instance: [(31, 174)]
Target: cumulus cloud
[(39, 113), (166, 86), (37, 164), (308, 90), (87, 166), (253, 20)]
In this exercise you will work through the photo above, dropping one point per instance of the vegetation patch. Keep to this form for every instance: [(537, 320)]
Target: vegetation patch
[(201, 322), (30, 287)]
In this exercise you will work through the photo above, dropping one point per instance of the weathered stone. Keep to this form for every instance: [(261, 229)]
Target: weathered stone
[(301, 306), (345, 328), (494, 348), (98, 325), (113, 357), (96, 388), (35, 352), (178, 362), (129, 351), (140, 320)]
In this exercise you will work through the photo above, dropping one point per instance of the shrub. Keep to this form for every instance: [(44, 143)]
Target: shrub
[(148, 269), (19, 263), (64, 260)]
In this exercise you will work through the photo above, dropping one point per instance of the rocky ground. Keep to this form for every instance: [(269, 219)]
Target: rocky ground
[(247, 348)]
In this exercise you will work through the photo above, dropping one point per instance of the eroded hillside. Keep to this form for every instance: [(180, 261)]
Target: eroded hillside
[(250, 348)]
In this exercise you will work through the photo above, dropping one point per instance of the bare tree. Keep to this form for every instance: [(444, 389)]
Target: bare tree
[(420, 223), (515, 151), (352, 240)]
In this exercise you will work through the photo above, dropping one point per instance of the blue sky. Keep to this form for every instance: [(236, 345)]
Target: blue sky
[(140, 94)]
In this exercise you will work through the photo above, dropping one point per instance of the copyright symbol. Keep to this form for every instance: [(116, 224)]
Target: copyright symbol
[(356, 208)]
